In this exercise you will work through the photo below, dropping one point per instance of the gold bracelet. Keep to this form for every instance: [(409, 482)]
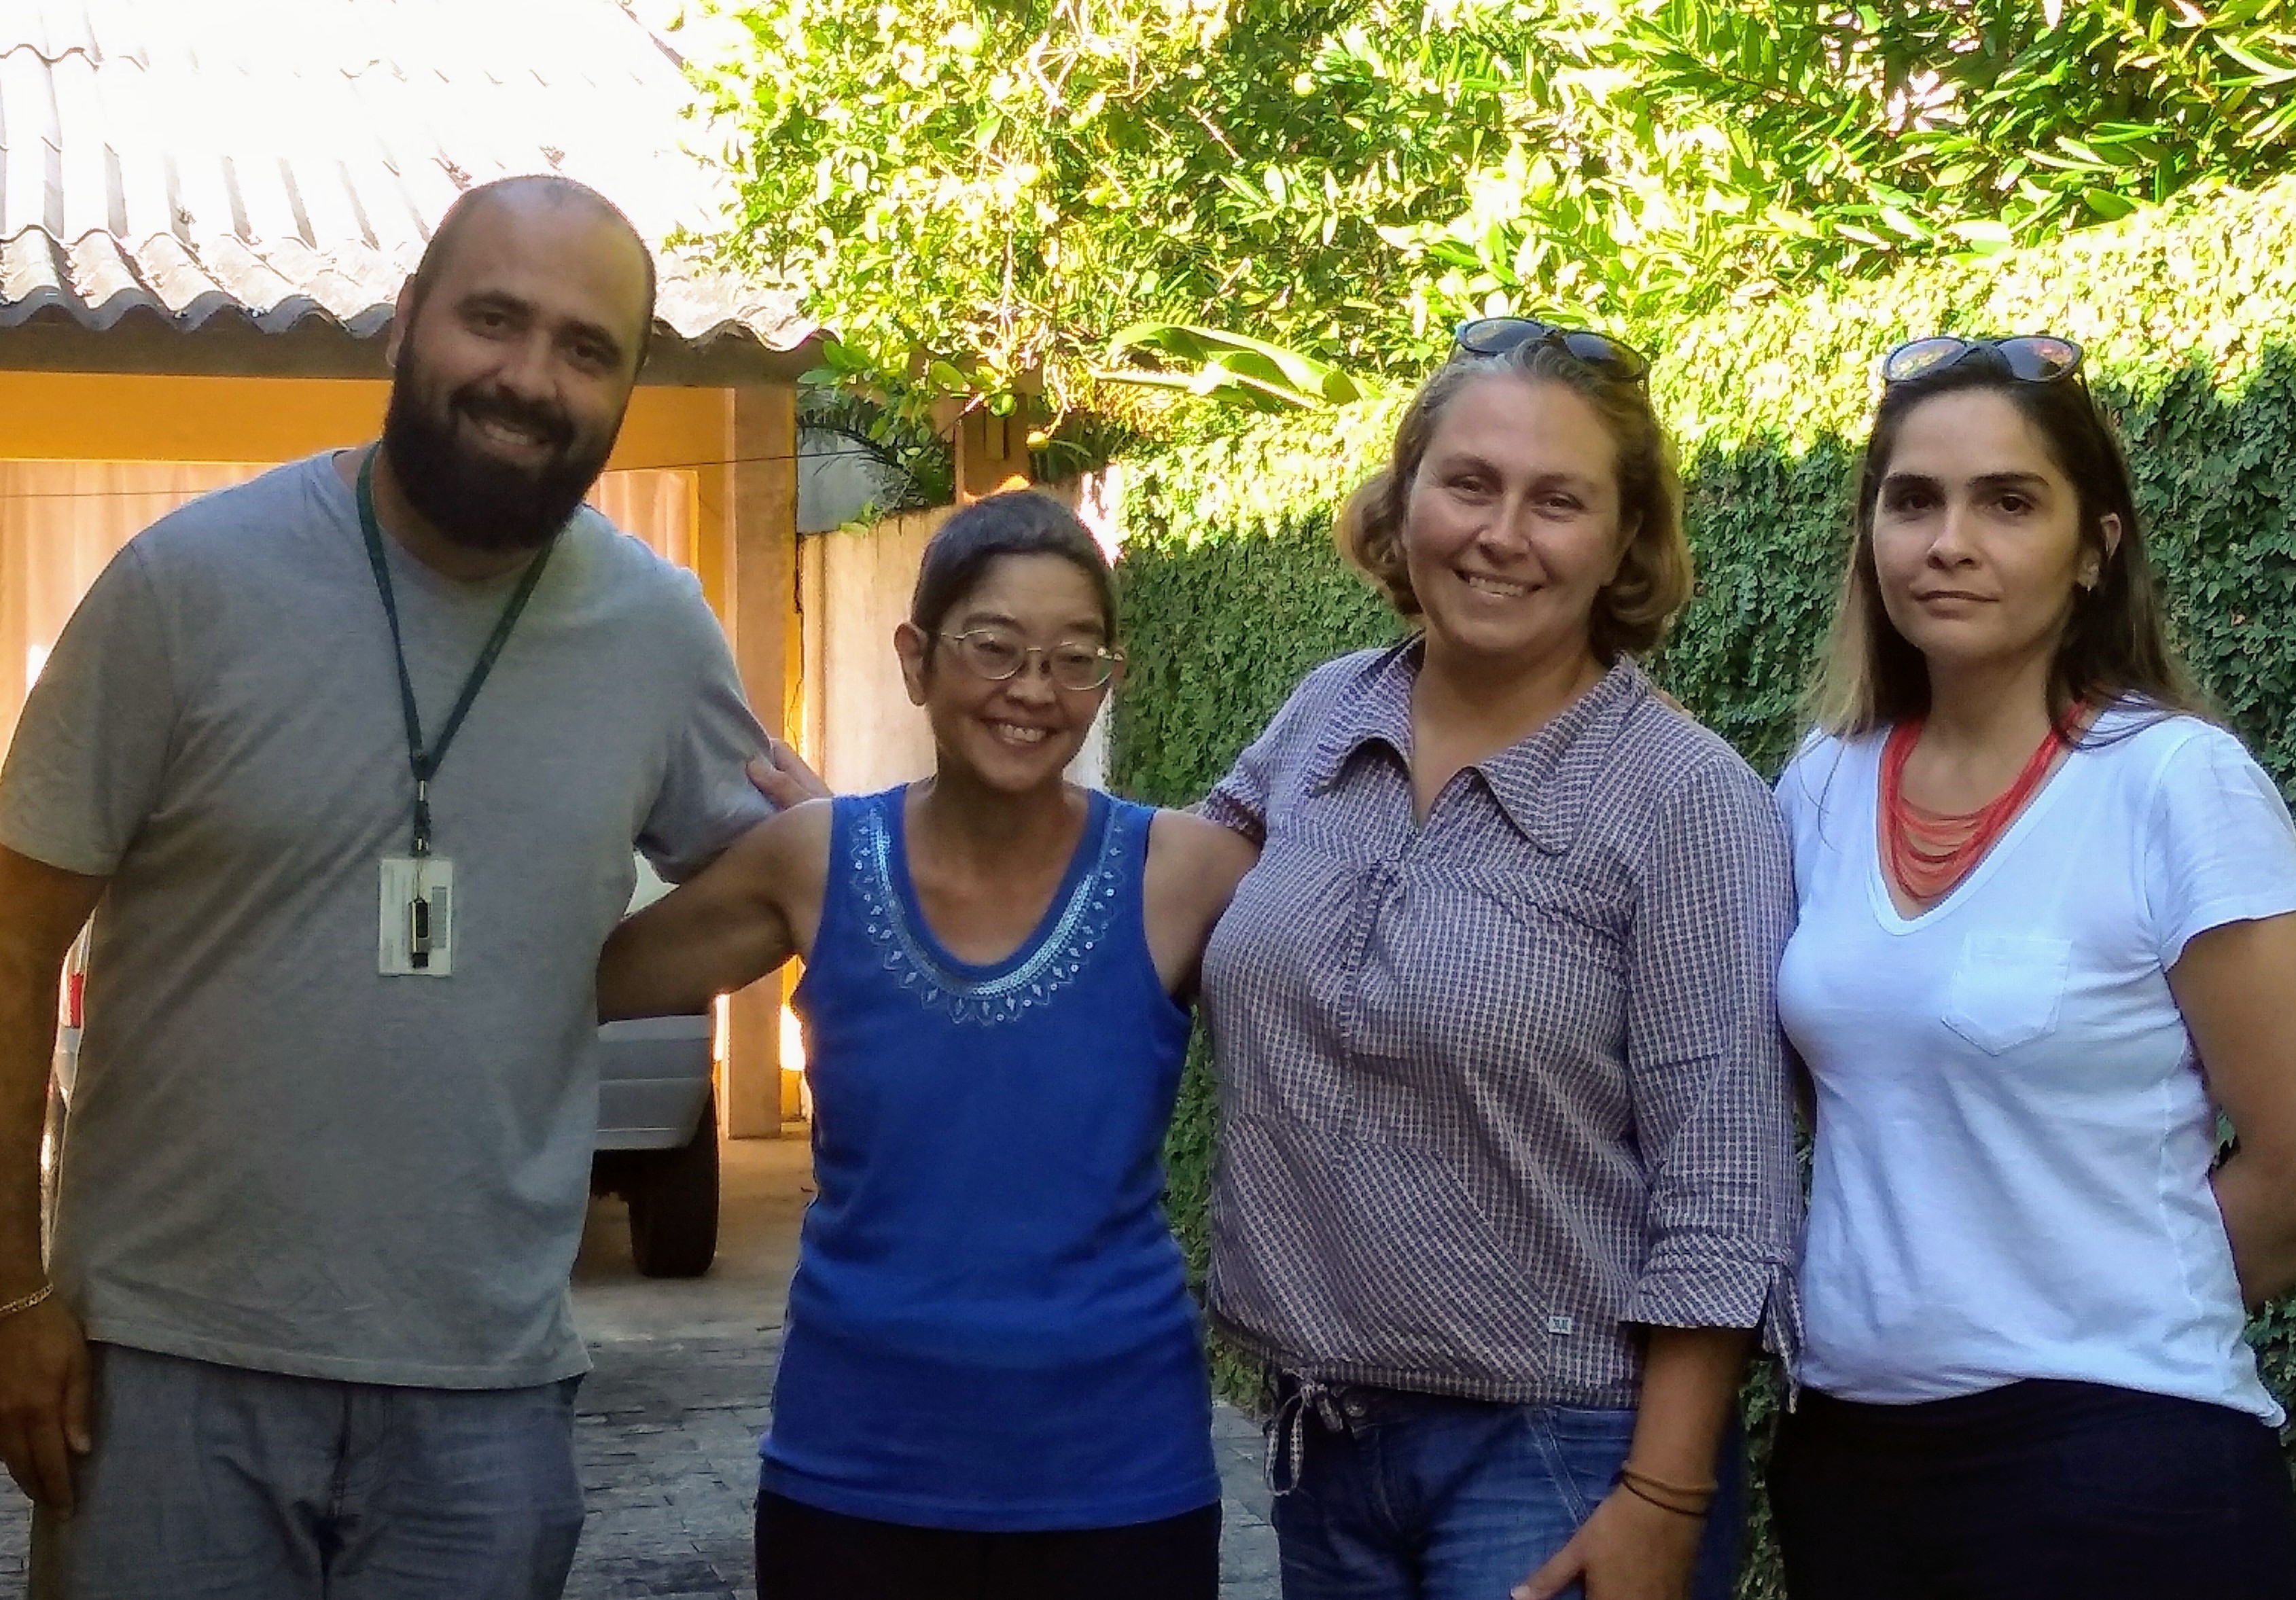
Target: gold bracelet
[(24, 1302)]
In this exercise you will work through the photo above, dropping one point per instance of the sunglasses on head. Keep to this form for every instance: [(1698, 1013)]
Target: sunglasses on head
[(2030, 358), (1503, 335)]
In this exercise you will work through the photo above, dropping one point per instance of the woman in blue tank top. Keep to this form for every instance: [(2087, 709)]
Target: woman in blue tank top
[(992, 1380)]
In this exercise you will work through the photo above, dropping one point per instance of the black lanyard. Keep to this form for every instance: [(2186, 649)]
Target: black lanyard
[(425, 764)]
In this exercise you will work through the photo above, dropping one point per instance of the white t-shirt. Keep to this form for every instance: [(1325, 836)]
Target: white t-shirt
[(2013, 1137)]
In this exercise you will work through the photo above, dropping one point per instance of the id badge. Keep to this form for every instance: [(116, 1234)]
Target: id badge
[(418, 918)]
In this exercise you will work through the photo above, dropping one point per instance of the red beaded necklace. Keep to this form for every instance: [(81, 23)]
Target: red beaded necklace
[(1928, 852)]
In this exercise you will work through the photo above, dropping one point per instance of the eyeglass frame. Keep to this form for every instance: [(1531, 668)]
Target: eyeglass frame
[(1111, 659), (1964, 347), (1617, 359)]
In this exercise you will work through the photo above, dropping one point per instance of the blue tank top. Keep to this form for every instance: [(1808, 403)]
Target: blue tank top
[(989, 1328)]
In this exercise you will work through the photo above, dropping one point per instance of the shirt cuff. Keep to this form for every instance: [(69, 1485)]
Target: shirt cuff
[(1724, 1293), (2268, 900), (63, 855)]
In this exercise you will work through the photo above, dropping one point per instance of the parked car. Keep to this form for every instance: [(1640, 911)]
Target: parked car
[(658, 1130), (657, 1118)]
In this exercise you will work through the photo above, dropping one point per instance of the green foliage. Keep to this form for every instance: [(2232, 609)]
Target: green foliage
[(917, 465), (1673, 151), (1231, 588), (1004, 187), (1201, 675), (1188, 1159), (974, 191), (1231, 368)]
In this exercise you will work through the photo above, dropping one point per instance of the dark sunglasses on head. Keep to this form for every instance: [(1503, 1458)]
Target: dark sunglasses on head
[(1503, 335), (2030, 358)]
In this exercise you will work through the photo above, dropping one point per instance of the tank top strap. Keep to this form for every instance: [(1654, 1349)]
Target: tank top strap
[(1126, 850), (843, 900), (871, 922)]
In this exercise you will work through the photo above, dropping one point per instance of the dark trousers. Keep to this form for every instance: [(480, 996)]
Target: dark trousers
[(804, 1554), (2040, 1491)]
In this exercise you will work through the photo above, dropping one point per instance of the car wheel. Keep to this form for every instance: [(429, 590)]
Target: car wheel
[(673, 1205)]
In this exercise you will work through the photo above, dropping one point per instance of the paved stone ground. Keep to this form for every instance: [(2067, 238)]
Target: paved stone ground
[(668, 1421)]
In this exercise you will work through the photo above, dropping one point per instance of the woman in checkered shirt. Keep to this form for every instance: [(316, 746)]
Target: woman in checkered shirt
[(1506, 1183)]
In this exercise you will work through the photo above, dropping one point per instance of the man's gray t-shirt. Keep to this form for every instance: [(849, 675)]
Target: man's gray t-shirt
[(278, 1158)]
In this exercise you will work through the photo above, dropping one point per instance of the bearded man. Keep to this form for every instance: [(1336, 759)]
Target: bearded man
[(354, 758)]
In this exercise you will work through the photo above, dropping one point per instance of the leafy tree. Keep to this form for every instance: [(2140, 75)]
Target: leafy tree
[(978, 190), (1001, 187), (1731, 147)]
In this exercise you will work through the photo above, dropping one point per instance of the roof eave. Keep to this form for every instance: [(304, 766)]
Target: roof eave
[(228, 343)]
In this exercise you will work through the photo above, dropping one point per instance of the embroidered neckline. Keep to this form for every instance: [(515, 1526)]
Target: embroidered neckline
[(1033, 979)]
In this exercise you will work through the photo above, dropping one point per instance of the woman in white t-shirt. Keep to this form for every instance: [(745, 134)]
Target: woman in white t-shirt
[(2046, 934)]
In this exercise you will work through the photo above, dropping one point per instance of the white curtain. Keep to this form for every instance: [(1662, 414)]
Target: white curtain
[(61, 520), (656, 504)]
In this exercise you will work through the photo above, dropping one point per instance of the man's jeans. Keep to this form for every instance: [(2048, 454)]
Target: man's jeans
[(218, 1484), (1418, 1497)]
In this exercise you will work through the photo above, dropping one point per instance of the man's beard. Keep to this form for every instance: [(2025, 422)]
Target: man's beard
[(473, 499)]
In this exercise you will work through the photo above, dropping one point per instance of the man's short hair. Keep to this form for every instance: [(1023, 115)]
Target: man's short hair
[(565, 190)]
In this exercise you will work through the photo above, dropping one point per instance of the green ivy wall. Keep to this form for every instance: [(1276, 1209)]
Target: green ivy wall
[(1232, 589)]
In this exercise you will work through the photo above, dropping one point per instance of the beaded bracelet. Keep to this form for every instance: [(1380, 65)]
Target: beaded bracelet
[(24, 1302)]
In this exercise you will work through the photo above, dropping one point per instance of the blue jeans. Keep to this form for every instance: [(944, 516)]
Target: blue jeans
[(1418, 1497), (214, 1482)]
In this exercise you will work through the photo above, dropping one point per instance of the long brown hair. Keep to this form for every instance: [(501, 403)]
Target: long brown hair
[(1631, 611), (2115, 646)]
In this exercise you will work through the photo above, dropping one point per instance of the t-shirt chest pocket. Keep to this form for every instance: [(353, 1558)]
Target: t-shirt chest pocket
[(2007, 990)]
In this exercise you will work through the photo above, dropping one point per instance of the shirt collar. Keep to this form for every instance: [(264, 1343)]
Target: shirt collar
[(1378, 711), (1541, 784)]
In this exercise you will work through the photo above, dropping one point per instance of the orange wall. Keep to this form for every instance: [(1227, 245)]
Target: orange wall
[(105, 416)]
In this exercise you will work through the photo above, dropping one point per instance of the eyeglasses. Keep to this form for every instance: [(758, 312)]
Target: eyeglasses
[(2030, 358), (997, 654), (1503, 335)]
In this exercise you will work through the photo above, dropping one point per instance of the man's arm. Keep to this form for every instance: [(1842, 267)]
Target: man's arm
[(43, 1358)]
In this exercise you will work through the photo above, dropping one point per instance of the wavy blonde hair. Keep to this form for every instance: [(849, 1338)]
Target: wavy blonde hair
[(1632, 612)]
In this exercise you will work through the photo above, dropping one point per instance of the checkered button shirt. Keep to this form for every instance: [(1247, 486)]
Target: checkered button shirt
[(1499, 1086)]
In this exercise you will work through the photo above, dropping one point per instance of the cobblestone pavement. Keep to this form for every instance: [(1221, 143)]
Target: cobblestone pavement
[(668, 1421)]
